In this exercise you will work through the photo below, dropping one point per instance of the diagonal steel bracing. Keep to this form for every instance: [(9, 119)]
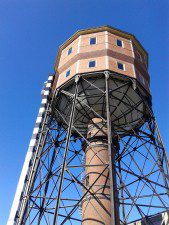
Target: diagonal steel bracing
[(55, 187)]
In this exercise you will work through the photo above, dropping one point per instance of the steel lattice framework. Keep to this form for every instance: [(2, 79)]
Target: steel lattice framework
[(138, 167)]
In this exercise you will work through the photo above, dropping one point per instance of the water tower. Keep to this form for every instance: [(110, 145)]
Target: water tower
[(96, 155)]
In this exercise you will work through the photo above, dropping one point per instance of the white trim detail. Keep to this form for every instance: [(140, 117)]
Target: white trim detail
[(107, 62), (25, 168), (124, 65), (44, 101), (106, 40), (132, 49), (77, 66), (50, 78), (79, 44), (41, 110), (134, 72), (46, 93), (39, 119), (48, 85), (19, 189), (32, 143), (36, 130)]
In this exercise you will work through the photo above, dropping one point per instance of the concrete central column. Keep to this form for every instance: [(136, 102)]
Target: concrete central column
[(94, 213)]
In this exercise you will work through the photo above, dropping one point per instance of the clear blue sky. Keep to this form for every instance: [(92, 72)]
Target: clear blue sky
[(30, 34)]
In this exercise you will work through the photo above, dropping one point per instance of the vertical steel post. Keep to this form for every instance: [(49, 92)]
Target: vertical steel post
[(36, 160), (159, 157), (159, 137), (115, 220), (66, 152)]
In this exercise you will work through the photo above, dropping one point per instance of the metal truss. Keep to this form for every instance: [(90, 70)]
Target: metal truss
[(138, 166)]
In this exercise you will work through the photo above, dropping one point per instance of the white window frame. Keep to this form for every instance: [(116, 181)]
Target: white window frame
[(91, 38), (92, 61), (124, 66), (121, 42)]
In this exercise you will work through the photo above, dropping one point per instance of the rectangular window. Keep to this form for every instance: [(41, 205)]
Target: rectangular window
[(147, 84), (67, 73), (87, 181), (93, 41), (120, 66), (140, 57), (69, 51), (119, 43), (92, 64), (141, 78)]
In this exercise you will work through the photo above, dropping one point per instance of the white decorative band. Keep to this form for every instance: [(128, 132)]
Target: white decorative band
[(30, 153)]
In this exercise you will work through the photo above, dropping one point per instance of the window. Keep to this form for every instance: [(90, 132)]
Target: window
[(89, 134), (67, 73), (147, 84), (141, 78), (87, 181), (140, 57), (119, 43), (92, 64), (120, 66), (69, 51), (92, 41)]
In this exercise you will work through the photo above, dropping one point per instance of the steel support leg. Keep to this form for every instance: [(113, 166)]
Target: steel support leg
[(115, 220), (65, 154)]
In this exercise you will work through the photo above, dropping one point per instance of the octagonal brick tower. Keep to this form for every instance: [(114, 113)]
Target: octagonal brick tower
[(89, 51), (100, 49)]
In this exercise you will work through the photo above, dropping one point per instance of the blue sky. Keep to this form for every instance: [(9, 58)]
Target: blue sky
[(30, 34)]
